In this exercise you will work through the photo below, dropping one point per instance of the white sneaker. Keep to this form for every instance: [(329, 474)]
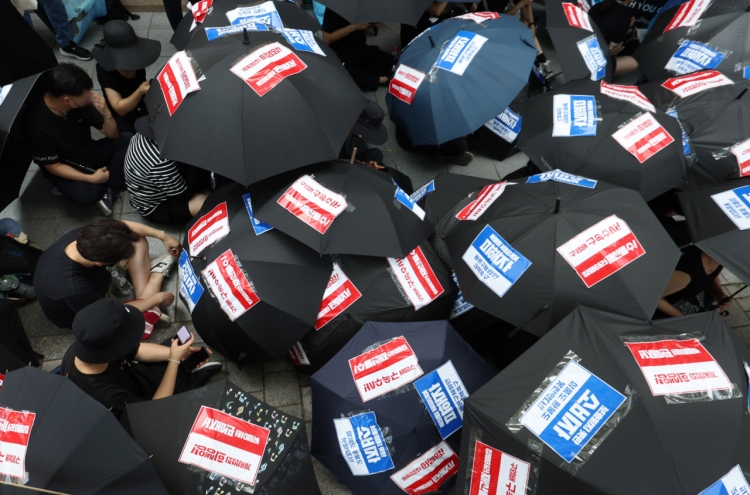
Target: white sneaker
[(163, 264)]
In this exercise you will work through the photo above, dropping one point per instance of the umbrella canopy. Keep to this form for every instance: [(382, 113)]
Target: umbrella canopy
[(459, 75), (675, 448), (409, 427), (15, 349), (582, 130), (716, 217), (396, 11), (74, 444), (279, 120), (12, 98), (260, 292), (445, 191), (174, 427), (539, 249), (347, 209)]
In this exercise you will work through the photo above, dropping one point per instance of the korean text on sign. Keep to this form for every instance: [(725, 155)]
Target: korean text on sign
[(191, 289), (460, 306), (494, 261), (482, 202), (692, 56), (362, 444), (213, 33), (264, 13), (443, 392), (302, 40), (266, 67), (312, 203), (496, 473), (573, 115), (228, 283), (643, 137), (563, 177), (223, 444), (200, 10), (601, 250), (688, 14), (385, 368), (479, 17), (733, 483), (460, 51), (735, 204), (593, 57), (339, 295), (15, 431), (209, 228), (405, 83), (742, 152), (507, 125), (691, 84), (417, 278), (176, 80), (297, 355), (577, 18), (428, 472), (627, 93)]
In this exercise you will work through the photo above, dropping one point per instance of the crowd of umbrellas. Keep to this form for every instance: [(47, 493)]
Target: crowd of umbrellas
[(372, 291)]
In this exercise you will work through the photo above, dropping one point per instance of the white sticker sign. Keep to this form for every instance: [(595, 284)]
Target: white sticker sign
[(227, 282), (573, 115), (417, 278), (264, 13), (405, 83), (577, 18), (315, 205), (297, 355), (385, 368), (735, 204), (482, 202), (643, 137), (177, 79), (209, 228), (692, 56), (742, 152), (733, 483), (191, 289), (443, 393), (630, 94), (496, 473), (428, 472), (339, 295), (266, 67), (494, 261), (460, 51), (303, 40), (15, 431), (691, 84), (4, 92), (507, 125), (362, 444)]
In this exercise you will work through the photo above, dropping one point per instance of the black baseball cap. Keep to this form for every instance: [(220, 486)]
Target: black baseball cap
[(369, 125), (106, 331)]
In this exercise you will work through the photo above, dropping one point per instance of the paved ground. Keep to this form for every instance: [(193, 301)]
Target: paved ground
[(46, 217)]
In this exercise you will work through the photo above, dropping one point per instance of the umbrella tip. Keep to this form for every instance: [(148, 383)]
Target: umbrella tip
[(557, 206), (432, 41), (246, 35)]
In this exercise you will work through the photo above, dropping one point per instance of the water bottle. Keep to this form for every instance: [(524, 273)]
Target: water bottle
[(122, 283)]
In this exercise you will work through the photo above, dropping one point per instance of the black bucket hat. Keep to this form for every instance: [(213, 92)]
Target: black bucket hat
[(106, 331), (143, 126), (122, 49), (369, 125)]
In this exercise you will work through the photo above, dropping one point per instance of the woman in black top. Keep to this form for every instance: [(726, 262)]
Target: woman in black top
[(614, 20)]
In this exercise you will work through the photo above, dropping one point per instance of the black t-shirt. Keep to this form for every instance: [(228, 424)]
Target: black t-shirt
[(350, 44), (613, 20), (53, 138), (408, 33), (114, 80), (63, 286)]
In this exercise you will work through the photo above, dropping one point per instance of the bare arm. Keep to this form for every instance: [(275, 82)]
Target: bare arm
[(436, 8), (343, 32), (123, 106), (158, 299), (109, 128), (677, 282), (172, 244), (518, 6)]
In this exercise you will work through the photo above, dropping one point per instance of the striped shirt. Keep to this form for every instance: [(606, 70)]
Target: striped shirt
[(149, 178)]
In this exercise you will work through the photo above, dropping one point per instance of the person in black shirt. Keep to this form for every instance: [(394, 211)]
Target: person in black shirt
[(121, 61), (368, 65), (58, 129), (614, 21)]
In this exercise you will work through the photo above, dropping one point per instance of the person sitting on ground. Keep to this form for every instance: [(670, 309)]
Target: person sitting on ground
[(58, 129), (368, 65), (72, 273), (101, 359), (454, 151), (121, 61), (615, 21), (162, 191)]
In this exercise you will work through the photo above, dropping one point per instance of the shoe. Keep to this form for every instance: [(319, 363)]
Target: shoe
[(106, 204), (163, 264), (202, 374), (164, 321), (76, 51), (546, 69), (463, 159), (211, 365)]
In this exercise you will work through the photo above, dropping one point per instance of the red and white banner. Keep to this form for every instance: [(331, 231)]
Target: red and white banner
[(577, 18), (339, 295), (312, 203), (297, 355), (484, 200), (742, 152), (678, 367), (428, 472), (209, 228), (405, 83), (176, 80), (688, 14), (643, 137), (15, 431), (221, 443), (417, 278), (266, 67), (200, 10), (627, 93), (2, 380), (601, 250), (385, 368), (479, 17), (696, 82), (496, 473), (229, 285)]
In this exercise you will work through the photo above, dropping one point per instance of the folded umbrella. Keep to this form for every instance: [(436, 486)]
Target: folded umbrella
[(396, 11)]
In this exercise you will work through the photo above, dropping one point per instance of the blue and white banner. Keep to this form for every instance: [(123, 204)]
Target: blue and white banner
[(574, 115), (571, 410), (733, 483), (735, 203), (302, 40), (494, 261), (362, 444), (460, 306), (459, 53), (191, 289), (405, 200), (213, 33), (443, 392), (264, 13), (686, 149), (564, 177), (746, 72), (422, 191), (692, 56), (258, 226), (507, 125), (593, 56)]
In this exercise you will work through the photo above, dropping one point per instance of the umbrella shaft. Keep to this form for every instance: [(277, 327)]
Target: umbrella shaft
[(32, 488)]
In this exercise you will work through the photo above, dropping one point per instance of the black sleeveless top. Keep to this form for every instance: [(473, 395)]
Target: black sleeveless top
[(690, 262)]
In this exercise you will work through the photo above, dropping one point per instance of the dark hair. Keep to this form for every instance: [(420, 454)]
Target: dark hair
[(106, 241), (68, 79)]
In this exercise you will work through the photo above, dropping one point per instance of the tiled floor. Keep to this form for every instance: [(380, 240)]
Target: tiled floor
[(46, 217)]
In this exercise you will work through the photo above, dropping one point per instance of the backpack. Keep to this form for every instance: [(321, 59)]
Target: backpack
[(18, 259)]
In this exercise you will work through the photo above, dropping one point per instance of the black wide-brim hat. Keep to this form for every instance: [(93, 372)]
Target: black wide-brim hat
[(106, 331), (369, 125), (122, 49)]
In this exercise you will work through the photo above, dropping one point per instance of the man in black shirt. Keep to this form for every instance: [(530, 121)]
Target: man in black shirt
[(58, 131)]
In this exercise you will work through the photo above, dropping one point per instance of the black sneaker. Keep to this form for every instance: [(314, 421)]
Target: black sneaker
[(75, 51), (106, 204), (546, 69)]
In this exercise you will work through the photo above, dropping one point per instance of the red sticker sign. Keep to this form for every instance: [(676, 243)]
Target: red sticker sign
[(484, 200), (688, 14), (208, 229), (200, 10), (497, 473), (678, 367), (266, 67), (297, 355), (428, 472), (385, 368), (696, 82), (228, 283), (221, 443), (643, 137), (15, 431), (742, 152), (339, 295), (627, 93), (176, 80), (417, 279), (479, 17), (601, 250), (405, 83), (577, 18), (312, 203)]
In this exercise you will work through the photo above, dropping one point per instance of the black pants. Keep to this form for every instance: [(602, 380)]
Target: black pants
[(368, 65), (454, 147), (15, 349), (173, 9), (176, 209)]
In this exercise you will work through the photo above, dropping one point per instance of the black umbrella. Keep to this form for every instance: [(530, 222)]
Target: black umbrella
[(417, 349), (347, 209), (259, 293), (396, 11), (291, 15), (622, 143), (675, 445), (12, 99), (716, 217), (443, 192), (279, 121), (15, 349), (67, 442), (248, 435), (545, 247)]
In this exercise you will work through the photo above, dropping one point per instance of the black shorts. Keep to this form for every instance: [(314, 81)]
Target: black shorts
[(174, 211)]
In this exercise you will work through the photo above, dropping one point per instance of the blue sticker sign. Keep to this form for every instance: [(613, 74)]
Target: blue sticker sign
[(405, 200), (564, 177), (362, 444), (746, 72), (593, 56), (692, 56), (460, 306), (733, 483), (258, 226), (735, 203), (191, 289), (507, 125), (459, 52), (422, 191), (571, 410), (443, 393), (302, 40), (573, 115), (494, 261), (213, 33), (686, 149)]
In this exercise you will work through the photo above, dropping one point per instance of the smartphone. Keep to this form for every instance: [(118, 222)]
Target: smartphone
[(195, 359), (183, 335)]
